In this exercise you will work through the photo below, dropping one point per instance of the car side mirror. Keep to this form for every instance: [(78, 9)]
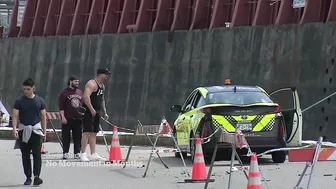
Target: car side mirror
[(176, 108)]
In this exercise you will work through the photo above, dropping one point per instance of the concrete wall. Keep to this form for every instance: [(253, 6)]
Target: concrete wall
[(150, 73)]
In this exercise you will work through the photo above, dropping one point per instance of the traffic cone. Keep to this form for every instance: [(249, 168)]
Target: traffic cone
[(199, 172), (43, 150), (254, 181), (115, 150)]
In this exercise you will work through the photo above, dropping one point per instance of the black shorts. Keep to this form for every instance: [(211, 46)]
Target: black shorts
[(91, 124)]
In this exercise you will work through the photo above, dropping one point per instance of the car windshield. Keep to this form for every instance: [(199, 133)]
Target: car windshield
[(238, 98)]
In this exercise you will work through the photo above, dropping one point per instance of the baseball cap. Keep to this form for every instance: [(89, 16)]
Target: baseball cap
[(103, 71)]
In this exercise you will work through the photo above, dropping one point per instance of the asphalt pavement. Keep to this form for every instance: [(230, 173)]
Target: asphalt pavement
[(73, 174)]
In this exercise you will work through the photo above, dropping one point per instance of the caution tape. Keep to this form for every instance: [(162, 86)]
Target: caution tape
[(283, 149), (327, 144), (208, 138), (250, 153), (116, 125)]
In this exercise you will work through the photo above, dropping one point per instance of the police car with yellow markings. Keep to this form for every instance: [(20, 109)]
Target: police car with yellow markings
[(250, 108)]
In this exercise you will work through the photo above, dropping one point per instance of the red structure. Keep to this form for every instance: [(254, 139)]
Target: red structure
[(82, 17)]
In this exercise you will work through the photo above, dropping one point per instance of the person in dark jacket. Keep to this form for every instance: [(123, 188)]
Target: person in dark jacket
[(70, 100)]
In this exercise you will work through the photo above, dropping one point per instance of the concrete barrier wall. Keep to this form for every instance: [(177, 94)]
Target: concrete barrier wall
[(149, 74)]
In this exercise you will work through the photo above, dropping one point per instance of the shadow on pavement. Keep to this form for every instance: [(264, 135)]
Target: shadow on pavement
[(11, 185)]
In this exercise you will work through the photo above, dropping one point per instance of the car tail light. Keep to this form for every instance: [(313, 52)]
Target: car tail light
[(277, 109), (205, 132), (206, 110), (282, 130)]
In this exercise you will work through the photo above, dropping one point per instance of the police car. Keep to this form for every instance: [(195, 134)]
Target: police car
[(259, 115)]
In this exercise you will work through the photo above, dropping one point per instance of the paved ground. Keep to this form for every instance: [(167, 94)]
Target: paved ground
[(73, 176)]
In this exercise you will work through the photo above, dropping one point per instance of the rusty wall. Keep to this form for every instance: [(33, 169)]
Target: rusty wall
[(149, 73)]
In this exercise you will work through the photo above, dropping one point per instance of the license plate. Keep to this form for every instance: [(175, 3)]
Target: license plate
[(244, 126)]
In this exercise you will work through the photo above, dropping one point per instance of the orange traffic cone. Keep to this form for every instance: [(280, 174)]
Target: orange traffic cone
[(254, 181), (199, 172), (43, 150), (115, 150)]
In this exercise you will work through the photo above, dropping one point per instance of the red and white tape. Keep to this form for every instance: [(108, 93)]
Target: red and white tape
[(165, 127), (53, 115), (165, 151)]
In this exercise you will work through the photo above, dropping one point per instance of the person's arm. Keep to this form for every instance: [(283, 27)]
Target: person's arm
[(43, 117), (15, 117), (89, 88), (81, 94), (104, 105), (61, 105)]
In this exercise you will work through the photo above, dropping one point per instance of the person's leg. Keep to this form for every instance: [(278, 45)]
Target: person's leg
[(84, 141), (92, 141), (66, 139), (76, 136), (36, 141), (93, 134), (93, 137), (26, 161), (87, 129)]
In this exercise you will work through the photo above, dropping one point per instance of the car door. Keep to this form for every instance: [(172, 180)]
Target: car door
[(196, 116), (182, 123), (288, 99)]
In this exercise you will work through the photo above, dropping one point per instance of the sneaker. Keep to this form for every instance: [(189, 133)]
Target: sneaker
[(37, 181), (65, 156), (77, 156), (95, 156), (83, 157), (28, 181)]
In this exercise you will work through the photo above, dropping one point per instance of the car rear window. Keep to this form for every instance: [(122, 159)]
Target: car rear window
[(238, 98)]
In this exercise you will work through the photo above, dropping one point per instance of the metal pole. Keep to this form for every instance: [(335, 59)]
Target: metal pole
[(107, 148), (211, 165), (131, 145), (302, 175), (232, 157), (318, 102), (53, 127), (150, 156), (316, 156), (176, 146), (157, 153), (263, 177), (241, 164)]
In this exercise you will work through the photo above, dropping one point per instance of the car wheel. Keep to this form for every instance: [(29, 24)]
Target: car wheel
[(192, 148), (279, 157), (177, 154)]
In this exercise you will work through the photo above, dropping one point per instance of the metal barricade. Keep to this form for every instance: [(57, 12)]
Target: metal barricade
[(236, 140), (158, 131), (54, 116), (310, 164)]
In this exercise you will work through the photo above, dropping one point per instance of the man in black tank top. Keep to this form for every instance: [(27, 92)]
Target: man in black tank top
[(94, 102)]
